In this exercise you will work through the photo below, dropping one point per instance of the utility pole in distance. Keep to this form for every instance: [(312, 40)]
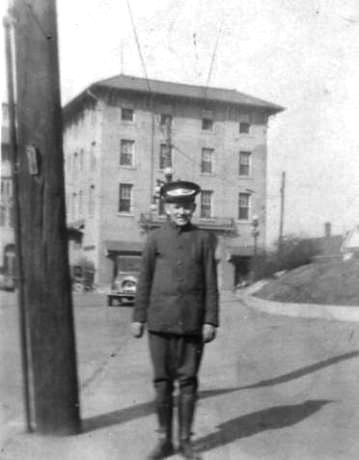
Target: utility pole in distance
[(46, 286), (281, 219)]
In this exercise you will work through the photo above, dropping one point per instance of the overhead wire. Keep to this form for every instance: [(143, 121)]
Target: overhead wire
[(214, 52), (139, 49), (210, 71)]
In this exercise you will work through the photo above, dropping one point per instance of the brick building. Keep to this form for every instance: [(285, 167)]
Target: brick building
[(119, 136)]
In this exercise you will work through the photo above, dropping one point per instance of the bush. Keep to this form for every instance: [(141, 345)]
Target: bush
[(292, 253)]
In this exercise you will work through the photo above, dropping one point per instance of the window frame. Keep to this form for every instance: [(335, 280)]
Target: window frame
[(244, 127), (248, 207), (123, 153), (243, 153), (129, 208), (127, 109), (3, 215), (203, 161), (204, 121), (204, 206)]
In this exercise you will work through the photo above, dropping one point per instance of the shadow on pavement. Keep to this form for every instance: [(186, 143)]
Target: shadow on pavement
[(117, 417), (144, 409), (250, 424), (301, 372), (139, 410)]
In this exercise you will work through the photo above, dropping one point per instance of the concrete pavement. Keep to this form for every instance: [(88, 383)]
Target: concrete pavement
[(272, 388)]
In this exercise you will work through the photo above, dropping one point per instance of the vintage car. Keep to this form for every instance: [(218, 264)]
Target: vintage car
[(123, 290)]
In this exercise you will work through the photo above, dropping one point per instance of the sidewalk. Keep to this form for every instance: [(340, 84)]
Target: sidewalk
[(303, 310)]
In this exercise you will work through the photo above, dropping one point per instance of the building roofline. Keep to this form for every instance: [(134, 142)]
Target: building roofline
[(172, 89)]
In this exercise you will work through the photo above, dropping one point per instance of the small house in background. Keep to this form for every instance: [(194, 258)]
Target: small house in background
[(350, 245), (328, 246)]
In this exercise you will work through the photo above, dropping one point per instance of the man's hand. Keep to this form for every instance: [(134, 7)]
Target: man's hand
[(137, 329), (208, 333)]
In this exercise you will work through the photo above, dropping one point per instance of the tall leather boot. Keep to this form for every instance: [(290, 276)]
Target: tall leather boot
[(164, 447), (186, 408)]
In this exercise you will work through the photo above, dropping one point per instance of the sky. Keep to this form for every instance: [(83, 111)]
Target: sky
[(303, 55)]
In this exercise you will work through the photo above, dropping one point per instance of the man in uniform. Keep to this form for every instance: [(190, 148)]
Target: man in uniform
[(177, 297)]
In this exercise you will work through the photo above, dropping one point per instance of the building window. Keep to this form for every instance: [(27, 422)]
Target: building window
[(2, 216), (207, 124), (127, 152), (206, 203), (125, 198), (207, 161), (91, 208), (165, 156), (166, 120), (244, 127), (244, 163), (127, 114), (243, 208)]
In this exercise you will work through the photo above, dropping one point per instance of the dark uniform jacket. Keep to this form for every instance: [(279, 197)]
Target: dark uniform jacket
[(177, 289)]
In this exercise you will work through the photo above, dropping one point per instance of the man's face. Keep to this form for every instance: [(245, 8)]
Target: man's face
[(180, 213)]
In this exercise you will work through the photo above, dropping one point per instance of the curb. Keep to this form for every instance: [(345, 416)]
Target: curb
[(303, 310)]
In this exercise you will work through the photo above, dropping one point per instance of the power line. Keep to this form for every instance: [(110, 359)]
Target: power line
[(185, 155), (214, 53), (138, 45)]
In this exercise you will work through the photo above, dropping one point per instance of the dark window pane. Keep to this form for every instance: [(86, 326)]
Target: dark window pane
[(244, 163), (243, 209), (127, 114), (244, 127), (206, 203), (125, 198), (127, 151), (207, 124)]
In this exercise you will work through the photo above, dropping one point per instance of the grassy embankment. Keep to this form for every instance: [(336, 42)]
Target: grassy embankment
[(332, 283)]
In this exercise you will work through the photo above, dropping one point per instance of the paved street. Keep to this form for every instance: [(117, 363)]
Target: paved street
[(272, 387)]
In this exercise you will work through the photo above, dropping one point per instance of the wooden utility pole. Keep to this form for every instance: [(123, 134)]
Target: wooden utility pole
[(39, 171), (8, 27), (281, 219)]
